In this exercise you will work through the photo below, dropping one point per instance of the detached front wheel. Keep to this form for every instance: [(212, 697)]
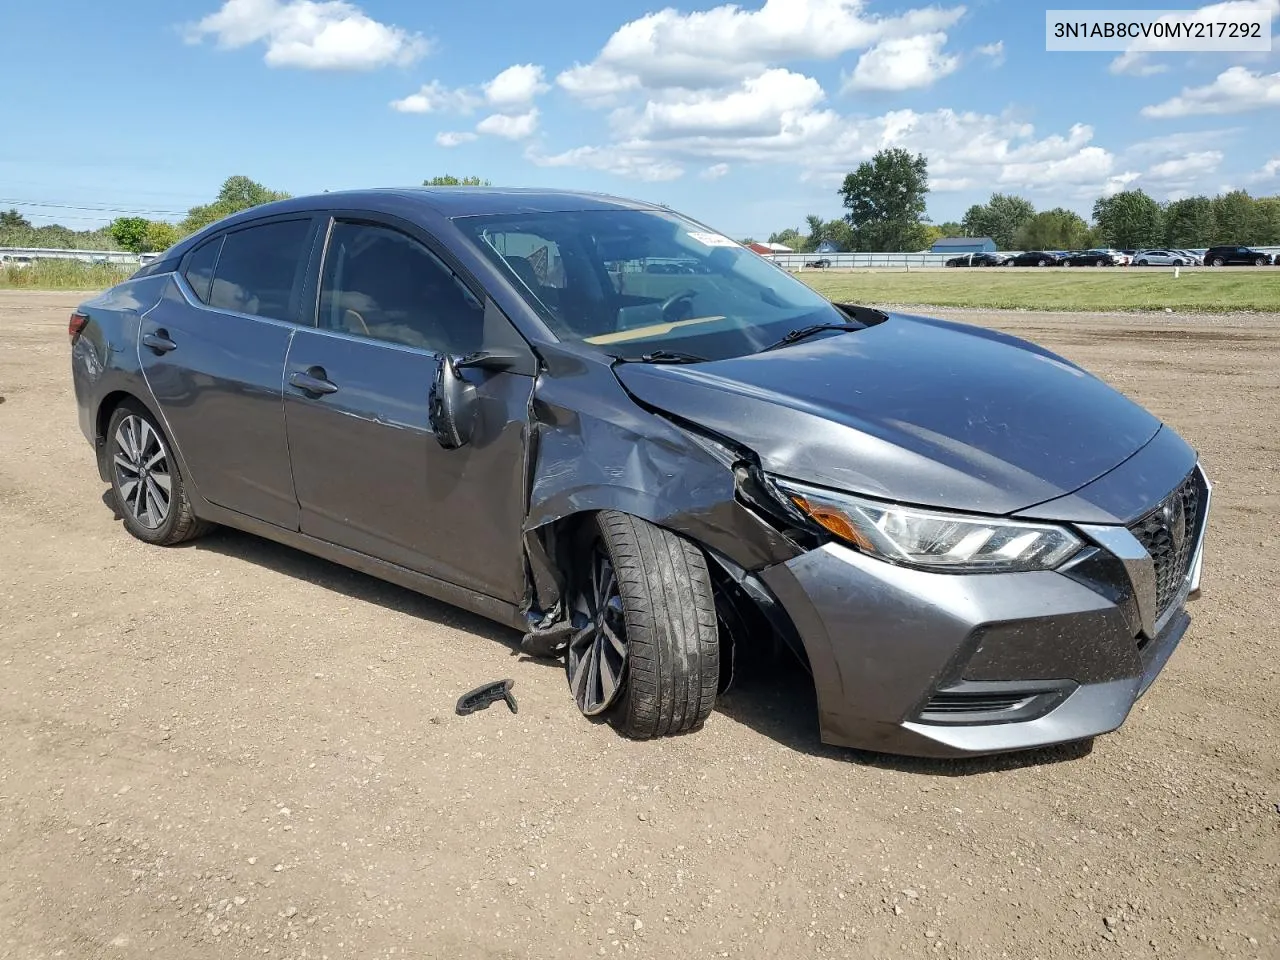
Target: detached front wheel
[(645, 652)]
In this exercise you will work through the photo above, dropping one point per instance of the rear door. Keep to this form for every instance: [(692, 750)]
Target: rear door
[(213, 354), (368, 470)]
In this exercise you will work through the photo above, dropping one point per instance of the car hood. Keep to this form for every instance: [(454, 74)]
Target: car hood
[(911, 409)]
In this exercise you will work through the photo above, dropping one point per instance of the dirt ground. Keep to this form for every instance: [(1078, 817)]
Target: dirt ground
[(232, 749)]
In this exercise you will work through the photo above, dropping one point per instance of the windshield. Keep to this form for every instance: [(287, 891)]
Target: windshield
[(636, 282)]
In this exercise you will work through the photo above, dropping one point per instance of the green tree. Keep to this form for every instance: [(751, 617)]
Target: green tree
[(159, 236), (1235, 217), (451, 181), (1189, 222), (1268, 209), (885, 197), (790, 237), (1000, 218), (1129, 220), (11, 219), (1055, 229), (827, 231), (130, 233), (952, 229), (237, 193)]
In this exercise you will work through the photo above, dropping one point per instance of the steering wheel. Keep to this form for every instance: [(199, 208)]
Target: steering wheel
[(671, 301)]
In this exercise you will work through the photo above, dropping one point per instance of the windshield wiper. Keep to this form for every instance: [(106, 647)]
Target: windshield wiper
[(665, 356), (804, 333)]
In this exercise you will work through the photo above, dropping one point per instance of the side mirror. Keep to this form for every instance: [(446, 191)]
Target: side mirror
[(451, 405)]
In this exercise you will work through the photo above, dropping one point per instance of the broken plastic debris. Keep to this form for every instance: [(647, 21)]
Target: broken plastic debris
[(481, 697)]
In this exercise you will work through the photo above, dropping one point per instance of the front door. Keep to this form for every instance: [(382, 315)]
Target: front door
[(368, 470), (213, 355)]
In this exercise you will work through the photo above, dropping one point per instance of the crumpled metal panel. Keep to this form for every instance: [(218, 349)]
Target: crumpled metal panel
[(594, 448)]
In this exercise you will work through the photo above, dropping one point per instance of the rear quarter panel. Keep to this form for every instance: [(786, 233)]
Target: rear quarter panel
[(104, 359)]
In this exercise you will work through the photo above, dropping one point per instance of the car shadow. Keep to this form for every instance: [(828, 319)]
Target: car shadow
[(775, 698), (778, 701)]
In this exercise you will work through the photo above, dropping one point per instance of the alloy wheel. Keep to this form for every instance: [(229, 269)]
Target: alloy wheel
[(596, 660), (140, 462)]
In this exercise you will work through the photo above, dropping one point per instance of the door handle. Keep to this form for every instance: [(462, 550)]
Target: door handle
[(313, 382), (158, 342)]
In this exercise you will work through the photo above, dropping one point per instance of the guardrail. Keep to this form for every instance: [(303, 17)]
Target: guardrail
[(87, 256)]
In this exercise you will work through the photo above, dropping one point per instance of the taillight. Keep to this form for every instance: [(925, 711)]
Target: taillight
[(76, 325)]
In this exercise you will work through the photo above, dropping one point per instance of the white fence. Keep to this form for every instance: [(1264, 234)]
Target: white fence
[(796, 261), (87, 256)]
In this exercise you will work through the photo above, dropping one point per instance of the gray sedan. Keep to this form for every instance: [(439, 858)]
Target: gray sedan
[(485, 395)]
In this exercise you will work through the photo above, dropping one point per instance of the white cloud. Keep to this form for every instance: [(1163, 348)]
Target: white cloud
[(1269, 171), (1136, 64), (995, 51), (1188, 167), (903, 63), (310, 34), (434, 97), (611, 160), (1119, 182), (760, 106), (516, 85), (670, 49), (1235, 90), (510, 127), (454, 138), (715, 171)]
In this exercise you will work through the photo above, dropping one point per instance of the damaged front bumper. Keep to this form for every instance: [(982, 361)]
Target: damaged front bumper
[(936, 664)]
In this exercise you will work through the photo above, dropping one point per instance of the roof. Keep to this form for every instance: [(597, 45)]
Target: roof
[(468, 201), (965, 242), (442, 201)]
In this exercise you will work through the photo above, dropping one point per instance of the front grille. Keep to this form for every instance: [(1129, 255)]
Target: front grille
[(1168, 533)]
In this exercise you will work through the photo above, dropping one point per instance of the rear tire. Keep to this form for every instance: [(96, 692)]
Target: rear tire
[(148, 491), (1218, 261), (670, 670)]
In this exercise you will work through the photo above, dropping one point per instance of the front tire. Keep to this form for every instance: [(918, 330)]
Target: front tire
[(646, 651), (148, 490)]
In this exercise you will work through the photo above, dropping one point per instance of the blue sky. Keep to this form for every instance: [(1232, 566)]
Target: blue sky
[(746, 117)]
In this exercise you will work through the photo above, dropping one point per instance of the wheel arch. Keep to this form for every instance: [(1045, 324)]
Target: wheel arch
[(107, 406), (751, 621)]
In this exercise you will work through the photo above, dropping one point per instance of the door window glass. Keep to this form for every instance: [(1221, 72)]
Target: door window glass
[(259, 268), (199, 267), (383, 284)]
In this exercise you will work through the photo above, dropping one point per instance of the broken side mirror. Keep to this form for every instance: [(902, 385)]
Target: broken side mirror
[(451, 406)]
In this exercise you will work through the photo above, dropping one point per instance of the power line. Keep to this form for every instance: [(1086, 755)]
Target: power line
[(72, 206)]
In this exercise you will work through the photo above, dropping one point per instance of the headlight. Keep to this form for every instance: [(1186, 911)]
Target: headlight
[(932, 539)]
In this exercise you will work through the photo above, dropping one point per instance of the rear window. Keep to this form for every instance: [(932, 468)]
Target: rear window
[(258, 269)]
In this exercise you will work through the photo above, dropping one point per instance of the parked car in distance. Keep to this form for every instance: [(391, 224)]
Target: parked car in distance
[(1094, 258), (980, 549), (978, 260), (16, 261), (1236, 256), (1035, 258), (1161, 258), (821, 264)]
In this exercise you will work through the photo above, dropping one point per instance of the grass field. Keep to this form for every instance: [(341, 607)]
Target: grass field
[(1205, 290), (63, 275)]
